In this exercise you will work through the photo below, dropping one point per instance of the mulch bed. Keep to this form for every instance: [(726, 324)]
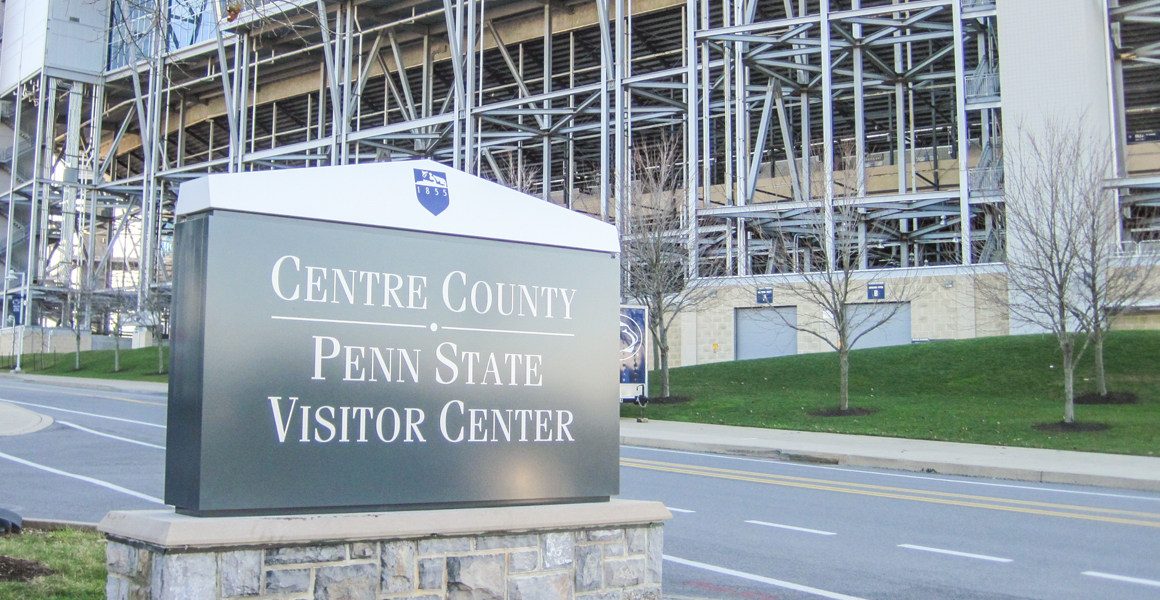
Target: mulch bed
[(1078, 426), (18, 569), (837, 412), (1111, 398), (668, 400)]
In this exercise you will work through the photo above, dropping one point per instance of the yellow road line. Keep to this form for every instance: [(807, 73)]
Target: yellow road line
[(90, 395), (1146, 515), (802, 483)]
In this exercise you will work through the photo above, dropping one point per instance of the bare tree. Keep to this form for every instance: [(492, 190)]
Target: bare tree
[(654, 226), (1113, 281), (833, 284), (1055, 204)]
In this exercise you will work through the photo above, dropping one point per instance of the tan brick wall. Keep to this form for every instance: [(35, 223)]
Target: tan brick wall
[(1149, 320), (942, 306)]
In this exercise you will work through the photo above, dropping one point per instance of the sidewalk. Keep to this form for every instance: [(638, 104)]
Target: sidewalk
[(948, 458), (106, 385)]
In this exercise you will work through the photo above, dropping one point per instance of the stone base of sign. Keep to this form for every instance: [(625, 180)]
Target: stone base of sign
[(599, 551)]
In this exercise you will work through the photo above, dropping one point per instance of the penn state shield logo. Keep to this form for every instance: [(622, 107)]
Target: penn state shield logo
[(431, 189)]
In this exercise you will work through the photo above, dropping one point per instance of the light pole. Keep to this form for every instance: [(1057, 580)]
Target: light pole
[(23, 315)]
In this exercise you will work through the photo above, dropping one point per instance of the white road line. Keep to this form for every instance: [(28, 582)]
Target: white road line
[(758, 578), (904, 476), (1122, 578), (77, 412), (792, 527), (109, 435), (954, 553), (104, 484), (680, 510)]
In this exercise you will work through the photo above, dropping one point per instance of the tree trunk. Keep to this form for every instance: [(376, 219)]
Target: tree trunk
[(116, 352), (77, 362), (160, 354), (664, 374), (1101, 379), (1068, 385), (844, 368)]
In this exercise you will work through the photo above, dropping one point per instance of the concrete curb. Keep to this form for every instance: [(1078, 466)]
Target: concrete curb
[(103, 385), (57, 525), (880, 462)]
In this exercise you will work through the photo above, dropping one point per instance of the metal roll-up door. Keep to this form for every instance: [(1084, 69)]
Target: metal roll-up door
[(762, 333), (893, 332)]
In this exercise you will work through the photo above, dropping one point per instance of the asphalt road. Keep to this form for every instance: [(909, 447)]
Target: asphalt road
[(742, 528)]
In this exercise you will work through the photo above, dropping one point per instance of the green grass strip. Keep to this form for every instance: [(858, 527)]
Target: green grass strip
[(985, 391)]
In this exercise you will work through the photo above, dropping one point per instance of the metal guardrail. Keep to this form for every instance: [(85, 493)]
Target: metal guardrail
[(969, 5), (986, 181), (1141, 248), (982, 84)]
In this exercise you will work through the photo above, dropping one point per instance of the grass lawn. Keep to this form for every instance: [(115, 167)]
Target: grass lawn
[(986, 391), (136, 365), (78, 557)]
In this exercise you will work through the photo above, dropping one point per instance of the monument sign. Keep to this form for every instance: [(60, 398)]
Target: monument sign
[(388, 336)]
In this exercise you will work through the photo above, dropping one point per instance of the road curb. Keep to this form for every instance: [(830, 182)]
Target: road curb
[(58, 525), (918, 466), (134, 387)]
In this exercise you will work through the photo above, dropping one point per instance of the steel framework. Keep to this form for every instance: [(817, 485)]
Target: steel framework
[(782, 108)]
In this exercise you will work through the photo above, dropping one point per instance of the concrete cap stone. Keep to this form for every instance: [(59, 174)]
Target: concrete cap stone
[(166, 529)]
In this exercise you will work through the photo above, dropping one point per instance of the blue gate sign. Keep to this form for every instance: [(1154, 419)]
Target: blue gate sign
[(876, 291), (633, 371), (765, 295)]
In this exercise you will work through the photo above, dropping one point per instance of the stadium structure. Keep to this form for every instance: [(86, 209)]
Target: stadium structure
[(898, 105)]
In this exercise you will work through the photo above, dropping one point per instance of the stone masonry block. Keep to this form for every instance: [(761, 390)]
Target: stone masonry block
[(431, 573), (520, 562), (644, 593), (624, 572), (636, 538), (540, 587), (362, 550), (605, 595), (185, 576), (656, 552), (287, 581), (614, 549), (444, 546), (605, 535), (241, 573), (556, 549), (588, 574), (476, 577), (398, 562), (116, 588), (306, 554), (120, 558), (348, 582), (495, 542)]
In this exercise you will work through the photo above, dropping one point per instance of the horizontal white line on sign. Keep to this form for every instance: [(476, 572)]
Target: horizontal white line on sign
[(792, 527), (954, 553), (680, 510), (104, 484), (758, 578), (109, 435), (341, 321), (1122, 578), (510, 331), (77, 412)]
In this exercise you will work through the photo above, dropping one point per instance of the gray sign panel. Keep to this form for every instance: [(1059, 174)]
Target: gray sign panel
[(331, 367)]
